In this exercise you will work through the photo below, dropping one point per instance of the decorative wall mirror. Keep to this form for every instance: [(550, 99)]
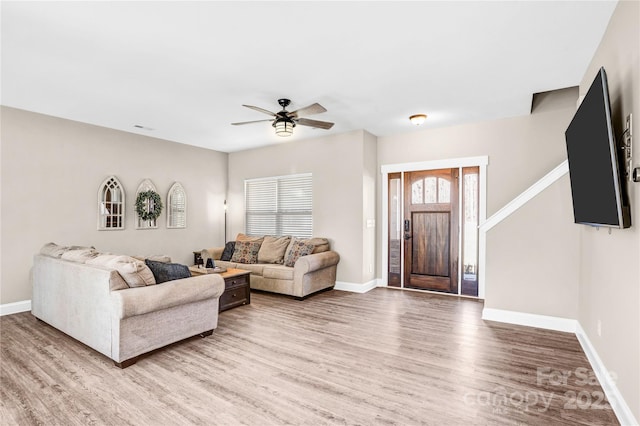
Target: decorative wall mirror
[(177, 207), (111, 205), (148, 206)]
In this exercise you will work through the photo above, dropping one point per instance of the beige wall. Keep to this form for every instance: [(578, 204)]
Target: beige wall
[(520, 149), (369, 178), (51, 171), (533, 257), (610, 263), (339, 165)]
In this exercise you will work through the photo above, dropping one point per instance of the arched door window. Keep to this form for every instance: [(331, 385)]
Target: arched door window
[(177, 207), (111, 205), (146, 185)]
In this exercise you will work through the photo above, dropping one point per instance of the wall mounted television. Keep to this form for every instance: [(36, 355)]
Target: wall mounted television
[(599, 197)]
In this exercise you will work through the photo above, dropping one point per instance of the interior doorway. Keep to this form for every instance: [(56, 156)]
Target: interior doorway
[(432, 218)]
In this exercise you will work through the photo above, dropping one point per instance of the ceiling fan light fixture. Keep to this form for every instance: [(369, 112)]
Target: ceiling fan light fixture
[(284, 127), (418, 119)]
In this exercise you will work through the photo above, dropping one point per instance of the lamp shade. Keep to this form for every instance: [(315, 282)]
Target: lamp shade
[(284, 127)]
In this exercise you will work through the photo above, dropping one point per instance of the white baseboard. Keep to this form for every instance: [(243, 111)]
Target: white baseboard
[(531, 320), (618, 404), (357, 288), (15, 307)]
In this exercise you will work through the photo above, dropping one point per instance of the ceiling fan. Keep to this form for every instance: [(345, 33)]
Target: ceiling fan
[(284, 121)]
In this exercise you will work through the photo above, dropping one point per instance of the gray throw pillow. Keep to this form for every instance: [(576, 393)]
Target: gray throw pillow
[(164, 272), (229, 248)]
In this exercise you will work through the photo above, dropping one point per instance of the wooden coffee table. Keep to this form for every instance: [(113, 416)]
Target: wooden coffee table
[(237, 287)]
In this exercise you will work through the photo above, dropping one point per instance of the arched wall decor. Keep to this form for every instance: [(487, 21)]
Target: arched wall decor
[(177, 207), (146, 185), (111, 198)]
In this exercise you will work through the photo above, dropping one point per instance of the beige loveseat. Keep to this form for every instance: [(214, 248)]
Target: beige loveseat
[(308, 273), (94, 304)]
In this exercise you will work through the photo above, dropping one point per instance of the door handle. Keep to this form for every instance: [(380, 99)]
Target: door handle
[(407, 236)]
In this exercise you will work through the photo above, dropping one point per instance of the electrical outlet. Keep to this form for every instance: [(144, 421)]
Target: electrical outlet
[(599, 326)]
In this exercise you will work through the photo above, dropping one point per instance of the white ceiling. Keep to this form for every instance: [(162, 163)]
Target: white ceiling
[(184, 69)]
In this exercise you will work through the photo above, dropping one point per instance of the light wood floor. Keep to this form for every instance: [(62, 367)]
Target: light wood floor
[(381, 358)]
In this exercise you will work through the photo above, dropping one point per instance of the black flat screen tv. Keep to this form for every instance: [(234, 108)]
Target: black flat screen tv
[(597, 190)]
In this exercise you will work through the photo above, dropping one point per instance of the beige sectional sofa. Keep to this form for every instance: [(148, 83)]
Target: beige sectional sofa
[(96, 304), (304, 275)]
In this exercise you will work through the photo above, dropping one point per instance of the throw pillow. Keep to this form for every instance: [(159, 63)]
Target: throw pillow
[(80, 255), (156, 257), (296, 250), (102, 259), (244, 237), (272, 249), (163, 272), (53, 250), (246, 252), (134, 272), (229, 248)]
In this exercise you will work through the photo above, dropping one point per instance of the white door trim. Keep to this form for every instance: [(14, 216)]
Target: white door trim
[(481, 162)]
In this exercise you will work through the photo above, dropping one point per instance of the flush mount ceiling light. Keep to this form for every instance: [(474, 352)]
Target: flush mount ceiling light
[(418, 119)]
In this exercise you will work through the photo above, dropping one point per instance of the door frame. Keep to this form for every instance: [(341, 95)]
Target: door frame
[(481, 162)]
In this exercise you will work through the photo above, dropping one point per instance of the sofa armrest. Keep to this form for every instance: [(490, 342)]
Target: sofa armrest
[(142, 300), (314, 262)]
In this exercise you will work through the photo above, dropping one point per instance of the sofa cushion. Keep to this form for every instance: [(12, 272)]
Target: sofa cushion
[(163, 272), (134, 271), (278, 272), (227, 253), (246, 252), (80, 255), (254, 268), (272, 249), (297, 248)]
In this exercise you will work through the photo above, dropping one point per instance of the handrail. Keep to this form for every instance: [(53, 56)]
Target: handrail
[(525, 196)]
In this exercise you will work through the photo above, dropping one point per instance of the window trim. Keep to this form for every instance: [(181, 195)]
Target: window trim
[(278, 231)]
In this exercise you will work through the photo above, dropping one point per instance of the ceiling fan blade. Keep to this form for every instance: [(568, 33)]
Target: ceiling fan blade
[(249, 122), (273, 114), (308, 110), (314, 123)]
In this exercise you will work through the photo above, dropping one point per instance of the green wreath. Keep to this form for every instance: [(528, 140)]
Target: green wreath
[(150, 210)]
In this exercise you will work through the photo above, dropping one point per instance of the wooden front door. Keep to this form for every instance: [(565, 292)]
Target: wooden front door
[(431, 230)]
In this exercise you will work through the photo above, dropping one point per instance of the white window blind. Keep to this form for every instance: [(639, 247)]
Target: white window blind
[(279, 206)]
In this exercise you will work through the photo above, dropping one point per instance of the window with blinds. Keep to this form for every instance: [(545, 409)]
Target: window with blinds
[(279, 206)]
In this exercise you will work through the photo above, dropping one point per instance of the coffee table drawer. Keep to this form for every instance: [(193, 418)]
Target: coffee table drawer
[(236, 281), (235, 296)]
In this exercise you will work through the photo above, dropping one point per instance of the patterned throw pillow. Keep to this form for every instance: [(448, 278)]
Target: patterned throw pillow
[(227, 253), (164, 272), (296, 250), (246, 252)]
